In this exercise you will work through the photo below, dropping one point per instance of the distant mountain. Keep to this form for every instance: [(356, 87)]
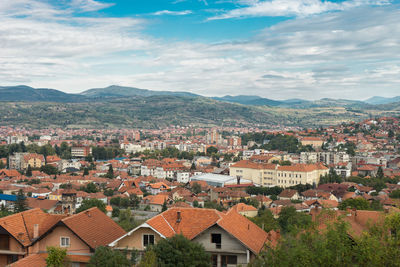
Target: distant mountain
[(28, 94), (377, 100), (122, 91), (248, 100)]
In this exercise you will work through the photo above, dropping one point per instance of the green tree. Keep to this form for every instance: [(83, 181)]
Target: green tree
[(29, 171), (179, 251), (85, 171), (90, 203), (290, 219), (265, 220), (49, 169), (164, 206), (355, 203), (126, 220), (110, 172), (212, 150), (395, 194), (91, 188), (20, 204), (115, 212), (196, 188), (105, 256), (57, 257), (380, 173)]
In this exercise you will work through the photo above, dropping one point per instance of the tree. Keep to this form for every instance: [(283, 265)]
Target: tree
[(49, 169), (290, 219), (164, 206), (126, 220), (115, 212), (20, 204), (196, 188), (90, 203), (29, 171), (193, 167), (110, 172), (395, 194), (355, 203), (85, 171), (265, 220), (179, 251), (91, 188), (212, 150), (57, 257), (2, 165), (380, 173), (105, 256)]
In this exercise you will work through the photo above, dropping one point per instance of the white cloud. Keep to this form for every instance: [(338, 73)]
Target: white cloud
[(348, 54), (277, 8), (89, 5), (174, 13)]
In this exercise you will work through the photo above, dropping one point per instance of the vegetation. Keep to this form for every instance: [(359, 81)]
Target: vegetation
[(105, 256), (90, 203), (179, 251), (334, 247), (57, 257), (20, 204)]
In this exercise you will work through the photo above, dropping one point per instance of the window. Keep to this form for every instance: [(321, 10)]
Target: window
[(4, 242), (64, 242), (228, 259), (216, 239), (148, 240)]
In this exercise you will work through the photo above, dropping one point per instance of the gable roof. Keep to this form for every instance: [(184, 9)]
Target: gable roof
[(194, 221), (21, 225), (94, 227)]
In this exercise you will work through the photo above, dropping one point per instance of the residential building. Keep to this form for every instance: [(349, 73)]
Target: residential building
[(230, 238), (81, 151)]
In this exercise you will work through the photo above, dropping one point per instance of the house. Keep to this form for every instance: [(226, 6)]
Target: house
[(289, 194), (157, 188), (155, 202), (230, 238), (25, 236), (245, 210)]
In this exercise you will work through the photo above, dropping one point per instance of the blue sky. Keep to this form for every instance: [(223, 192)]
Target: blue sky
[(278, 49)]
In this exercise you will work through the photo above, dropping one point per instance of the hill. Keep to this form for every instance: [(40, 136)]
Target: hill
[(122, 91), (29, 94), (161, 111), (377, 100)]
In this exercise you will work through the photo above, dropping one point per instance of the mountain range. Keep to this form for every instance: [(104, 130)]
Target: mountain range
[(28, 94), (128, 107)]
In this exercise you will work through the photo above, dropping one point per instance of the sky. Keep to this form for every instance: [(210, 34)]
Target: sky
[(279, 49)]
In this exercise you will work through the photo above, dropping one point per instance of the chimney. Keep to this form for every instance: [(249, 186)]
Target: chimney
[(35, 231), (178, 213)]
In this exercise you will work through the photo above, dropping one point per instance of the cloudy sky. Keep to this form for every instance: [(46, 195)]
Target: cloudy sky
[(278, 49)]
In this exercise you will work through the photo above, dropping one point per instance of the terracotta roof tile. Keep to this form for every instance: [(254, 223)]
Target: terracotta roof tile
[(94, 227)]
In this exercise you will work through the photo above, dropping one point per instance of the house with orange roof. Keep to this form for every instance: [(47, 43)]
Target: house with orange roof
[(156, 188), (155, 202), (230, 238), (36, 230), (246, 210)]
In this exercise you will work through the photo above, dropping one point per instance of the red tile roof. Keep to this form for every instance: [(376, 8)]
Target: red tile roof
[(94, 227)]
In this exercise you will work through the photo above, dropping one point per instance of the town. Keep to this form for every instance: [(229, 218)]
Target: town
[(238, 192)]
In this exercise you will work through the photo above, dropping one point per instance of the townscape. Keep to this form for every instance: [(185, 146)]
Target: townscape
[(239, 192)]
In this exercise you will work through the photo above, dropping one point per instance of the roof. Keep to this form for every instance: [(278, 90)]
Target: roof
[(94, 227), (288, 193), (241, 207), (8, 197), (44, 204), (21, 225), (37, 260), (194, 221)]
